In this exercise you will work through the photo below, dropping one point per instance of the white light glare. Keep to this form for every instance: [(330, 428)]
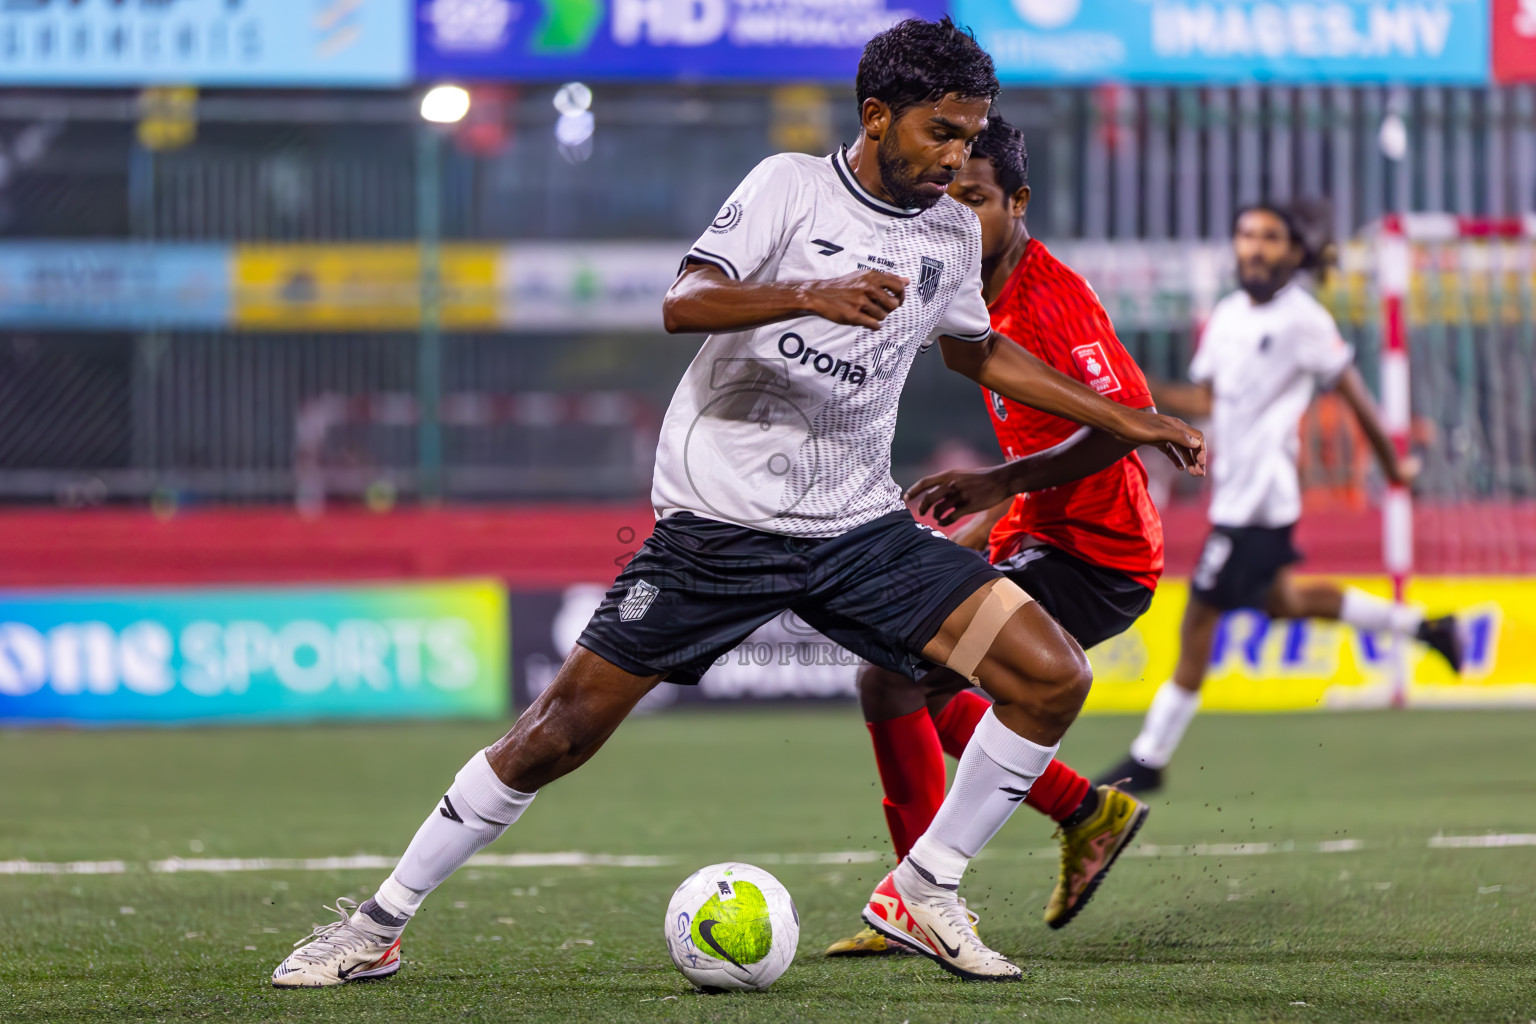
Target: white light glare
[(574, 129), (445, 104), (1393, 137), (573, 98)]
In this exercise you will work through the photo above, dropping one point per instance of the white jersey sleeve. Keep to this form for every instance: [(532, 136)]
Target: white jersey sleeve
[(967, 317), (749, 232), (1320, 350), (1202, 368)]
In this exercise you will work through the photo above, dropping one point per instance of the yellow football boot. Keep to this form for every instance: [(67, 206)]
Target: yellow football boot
[(866, 942), (1089, 849)]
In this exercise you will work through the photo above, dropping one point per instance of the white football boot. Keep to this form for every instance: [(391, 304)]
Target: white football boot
[(932, 920), (339, 952)]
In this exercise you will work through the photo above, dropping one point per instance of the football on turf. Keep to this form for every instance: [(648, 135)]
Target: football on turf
[(732, 926)]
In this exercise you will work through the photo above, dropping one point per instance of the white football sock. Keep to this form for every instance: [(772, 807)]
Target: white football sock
[(476, 810), (1367, 611), (1173, 707), (994, 776)]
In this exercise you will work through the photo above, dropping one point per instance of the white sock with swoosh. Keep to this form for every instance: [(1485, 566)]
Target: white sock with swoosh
[(994, 776), (475, 811)]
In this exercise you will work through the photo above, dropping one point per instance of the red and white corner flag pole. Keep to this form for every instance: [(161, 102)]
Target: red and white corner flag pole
[(1393, 268)]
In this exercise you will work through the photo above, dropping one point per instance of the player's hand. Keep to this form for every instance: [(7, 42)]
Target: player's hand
[(1182, 443), (955, 493), (860, 299), (1405, 471)]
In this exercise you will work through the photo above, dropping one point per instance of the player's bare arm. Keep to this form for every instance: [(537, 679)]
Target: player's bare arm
[(954, 493), (1006, 368), (1351, 388), (1190, 401), (704, 300)]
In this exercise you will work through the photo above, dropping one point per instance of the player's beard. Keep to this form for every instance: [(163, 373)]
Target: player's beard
[(900, 180), (1263, 287)]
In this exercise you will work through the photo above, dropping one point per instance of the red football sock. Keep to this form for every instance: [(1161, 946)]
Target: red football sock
[(911, 764), (1058, 792), (958, 720)]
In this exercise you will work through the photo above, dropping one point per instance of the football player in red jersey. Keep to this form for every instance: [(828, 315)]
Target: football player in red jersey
[(1068, 518)]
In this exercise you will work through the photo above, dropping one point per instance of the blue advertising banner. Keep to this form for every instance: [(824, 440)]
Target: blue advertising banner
[(1233, 40), (764, 40), (114, 285), (190, 655), (205, 42)]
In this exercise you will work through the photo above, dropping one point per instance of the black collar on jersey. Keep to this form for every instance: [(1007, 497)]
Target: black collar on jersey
[(851, 183)]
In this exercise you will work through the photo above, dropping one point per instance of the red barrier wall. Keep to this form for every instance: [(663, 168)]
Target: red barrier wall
[(549, 546)]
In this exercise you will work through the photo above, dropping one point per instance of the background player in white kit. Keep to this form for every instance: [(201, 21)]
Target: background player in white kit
[(820, 281), (1265, 350)]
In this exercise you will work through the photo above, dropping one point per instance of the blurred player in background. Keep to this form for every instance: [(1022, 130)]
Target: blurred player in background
[(1087, 543), (818, 283), (1265, 351)]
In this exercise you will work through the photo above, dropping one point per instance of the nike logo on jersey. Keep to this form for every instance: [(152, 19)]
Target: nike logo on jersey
[(448, 811), (706, 932), (827, 248)]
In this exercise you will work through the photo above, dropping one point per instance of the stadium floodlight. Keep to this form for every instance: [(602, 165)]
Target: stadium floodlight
[(445, 104)]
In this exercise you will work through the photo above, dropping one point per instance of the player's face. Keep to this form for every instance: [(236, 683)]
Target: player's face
[(977, 187), (922, 151), (1267, 256)]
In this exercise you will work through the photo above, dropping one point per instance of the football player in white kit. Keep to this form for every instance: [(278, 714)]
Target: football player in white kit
[(819, 283), (1265, 351)]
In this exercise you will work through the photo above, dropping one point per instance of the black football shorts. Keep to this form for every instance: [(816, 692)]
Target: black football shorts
[(698, 587), (1239, 564), (1092, 603)]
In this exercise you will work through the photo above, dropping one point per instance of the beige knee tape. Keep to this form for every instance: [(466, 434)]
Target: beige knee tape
[(1002, 600)]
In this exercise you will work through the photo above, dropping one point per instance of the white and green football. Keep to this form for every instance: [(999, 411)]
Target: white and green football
[(732, 926)]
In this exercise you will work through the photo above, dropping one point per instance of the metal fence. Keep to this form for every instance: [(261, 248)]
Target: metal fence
[(1135, 185)]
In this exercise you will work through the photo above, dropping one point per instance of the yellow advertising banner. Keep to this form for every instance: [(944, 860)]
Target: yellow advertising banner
[(359, 287), (1263, 665)]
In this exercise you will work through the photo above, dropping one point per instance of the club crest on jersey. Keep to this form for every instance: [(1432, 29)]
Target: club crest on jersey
[(638, 601), (726, 220), (999, 407), (1093, 364), (928, 278)]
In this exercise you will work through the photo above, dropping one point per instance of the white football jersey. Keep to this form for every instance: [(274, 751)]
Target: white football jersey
[(1263, 363), (787, 428)]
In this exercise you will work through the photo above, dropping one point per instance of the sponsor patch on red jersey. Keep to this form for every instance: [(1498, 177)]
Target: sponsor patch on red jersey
[(1093, 364)]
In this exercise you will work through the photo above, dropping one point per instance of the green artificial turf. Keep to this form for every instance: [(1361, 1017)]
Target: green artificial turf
[(1393, 930)]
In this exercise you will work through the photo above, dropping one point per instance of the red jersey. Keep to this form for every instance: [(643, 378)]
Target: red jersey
[(1107, 519)]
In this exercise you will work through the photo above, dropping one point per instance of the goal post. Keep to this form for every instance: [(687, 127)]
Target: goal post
[(1396, 237)]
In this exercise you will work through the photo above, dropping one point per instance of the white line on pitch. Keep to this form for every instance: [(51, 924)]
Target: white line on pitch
[(576, 859), (1491, 839)]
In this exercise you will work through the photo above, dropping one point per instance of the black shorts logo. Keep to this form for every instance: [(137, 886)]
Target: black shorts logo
[(1213, 558), (637, 601)]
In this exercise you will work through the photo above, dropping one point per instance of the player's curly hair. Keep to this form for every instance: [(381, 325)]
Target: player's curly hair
[(1310, 223), (1312, 219), (1003, 144), (917, 61)]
